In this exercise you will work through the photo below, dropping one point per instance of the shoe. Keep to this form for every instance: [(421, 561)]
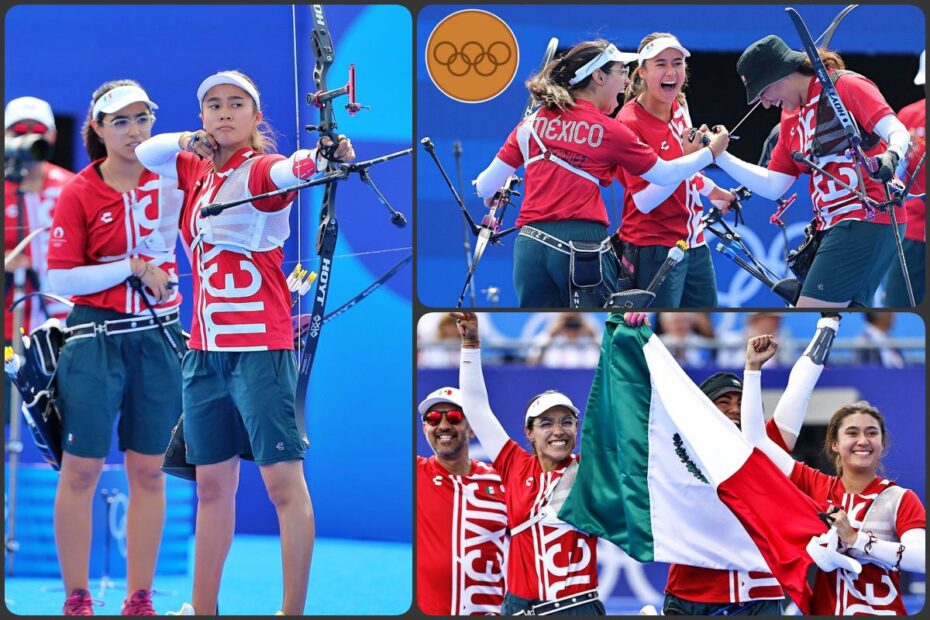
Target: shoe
[(78, 604), (186, 610), (279, 613), (139, 603)]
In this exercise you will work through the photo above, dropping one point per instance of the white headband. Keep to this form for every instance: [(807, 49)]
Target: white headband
[(657, 46), (609, 54), (227, 77), (118, 98)]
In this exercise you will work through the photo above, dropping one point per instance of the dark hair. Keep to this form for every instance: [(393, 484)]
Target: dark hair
[(92, 143), (550, 87), (831, 60), (637, 85), (262, 139), (833, 430)]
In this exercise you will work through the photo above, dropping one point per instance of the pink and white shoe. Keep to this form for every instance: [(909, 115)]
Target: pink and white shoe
[(139, 603), (78, 604)]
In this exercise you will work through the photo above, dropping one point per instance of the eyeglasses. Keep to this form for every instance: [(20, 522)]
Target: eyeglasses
[(623, 72), (453, 417), (122, 124), (547, 423), (24, 127)]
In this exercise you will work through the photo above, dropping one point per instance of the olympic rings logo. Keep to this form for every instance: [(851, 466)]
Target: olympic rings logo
[(472, 56)]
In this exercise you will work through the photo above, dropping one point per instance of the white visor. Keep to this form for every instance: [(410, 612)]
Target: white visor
[(610, 54), (118, 98), (546, 402), (227, 77), (657, 46), (920, 79), (28, 109)]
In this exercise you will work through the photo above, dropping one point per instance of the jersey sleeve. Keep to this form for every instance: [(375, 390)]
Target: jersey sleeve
[(190, 170), (771, 429), (811, 482), (510, 153), (506, 459), (68, 239), (260, 182), (630, 181), (863, 100), (911, 514), (629, 150)]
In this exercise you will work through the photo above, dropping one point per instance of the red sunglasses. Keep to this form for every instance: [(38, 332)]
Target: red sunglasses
[(23, 127), (453, 417)]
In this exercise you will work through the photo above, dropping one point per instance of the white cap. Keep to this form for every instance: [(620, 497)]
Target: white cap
[(609, 54), (919, 79), (227, 77), (546, 401), (28, 108), (118, 98), (442, 395), (657, 46)]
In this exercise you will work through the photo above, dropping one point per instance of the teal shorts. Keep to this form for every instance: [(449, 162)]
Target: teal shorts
[(692, 283), (134, 374), (915, 255), (850, 263), (237, 399)]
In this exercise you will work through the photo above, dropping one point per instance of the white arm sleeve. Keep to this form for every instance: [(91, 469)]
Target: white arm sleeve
[(487, 428), (767, 183), (675, 171), (493, 178), (282, 171), (652, 196), (709, 184), (87, 279), (160, 154), (913, 558), (894, 133), (752, 422), (792, 406)]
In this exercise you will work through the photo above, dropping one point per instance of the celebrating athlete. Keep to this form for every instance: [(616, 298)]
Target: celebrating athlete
[(570, 148), (461, 517), (240, 374)]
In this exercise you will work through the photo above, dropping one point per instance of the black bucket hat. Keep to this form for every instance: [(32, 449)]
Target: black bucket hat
[(720, 383), (765, 62)]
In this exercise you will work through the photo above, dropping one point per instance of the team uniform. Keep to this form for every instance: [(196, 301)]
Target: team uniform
[(241, 346), (647, 237), (914, 117), (547, 561), (114, 358), (568, 157), (875, 591), (461, 540), (37, 211), (854, 253)]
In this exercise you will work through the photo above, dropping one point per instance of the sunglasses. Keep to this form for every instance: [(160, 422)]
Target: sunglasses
[(453, 417), (23, 127)]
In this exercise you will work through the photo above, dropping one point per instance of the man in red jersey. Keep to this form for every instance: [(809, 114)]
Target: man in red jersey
[(461, 517)]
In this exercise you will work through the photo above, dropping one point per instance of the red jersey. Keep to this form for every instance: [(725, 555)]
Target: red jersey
[(711, 585), (37, 213), (546, 562), (833, 204), (679, 216), (461, 540), (876, 590), (241, 299), (586, 140), (95, 224), (914, 117)]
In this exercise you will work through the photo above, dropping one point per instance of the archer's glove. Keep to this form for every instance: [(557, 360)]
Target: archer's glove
[(887, 164)]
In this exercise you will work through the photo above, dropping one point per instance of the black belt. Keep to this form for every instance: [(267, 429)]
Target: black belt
[(553, 607), (119, 326), (552, 241)]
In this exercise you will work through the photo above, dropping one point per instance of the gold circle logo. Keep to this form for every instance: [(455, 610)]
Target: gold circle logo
[(472, 56)]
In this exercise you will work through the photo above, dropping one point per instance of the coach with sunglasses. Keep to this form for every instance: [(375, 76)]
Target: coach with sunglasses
[(461, 517)]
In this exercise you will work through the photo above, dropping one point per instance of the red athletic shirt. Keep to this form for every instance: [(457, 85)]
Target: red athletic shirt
[(37, 213), (710, 585), (95, 224), (586, 139), (241, 300), (876, 591), (679, 216), (833, 203), (914, 117), (461, 540), (546, 562)]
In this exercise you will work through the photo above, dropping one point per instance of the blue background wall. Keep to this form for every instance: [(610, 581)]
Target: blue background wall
[(482, 128), (62, 53)]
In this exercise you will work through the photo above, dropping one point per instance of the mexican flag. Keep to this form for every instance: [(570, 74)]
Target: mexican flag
[(668, 478)]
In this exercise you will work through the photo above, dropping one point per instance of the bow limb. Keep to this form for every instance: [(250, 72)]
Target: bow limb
[(22, 245)]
